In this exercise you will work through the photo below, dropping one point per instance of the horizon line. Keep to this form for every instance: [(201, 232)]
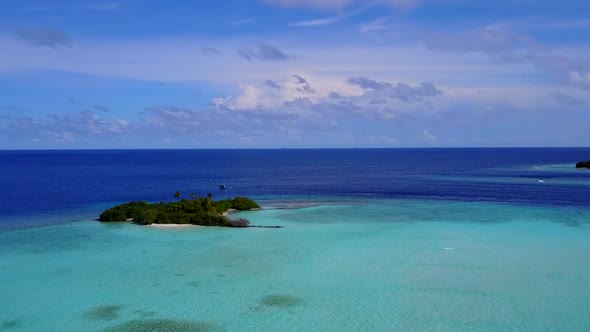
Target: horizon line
[(302, 148)]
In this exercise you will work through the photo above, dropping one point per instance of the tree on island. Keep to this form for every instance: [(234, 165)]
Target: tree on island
[(200, 211), (583, 164), (177, 194)]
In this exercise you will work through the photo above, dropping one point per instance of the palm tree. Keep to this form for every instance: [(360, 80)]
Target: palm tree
[(209, 204), (177, 194), (193, 196)]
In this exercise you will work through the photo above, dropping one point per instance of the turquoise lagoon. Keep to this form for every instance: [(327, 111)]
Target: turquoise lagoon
[(370, 265)]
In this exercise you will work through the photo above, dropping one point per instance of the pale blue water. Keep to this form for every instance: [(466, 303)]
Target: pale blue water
[(373, 240), (342, 267)]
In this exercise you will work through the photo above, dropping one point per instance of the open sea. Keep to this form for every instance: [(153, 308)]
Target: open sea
[(373, 240)]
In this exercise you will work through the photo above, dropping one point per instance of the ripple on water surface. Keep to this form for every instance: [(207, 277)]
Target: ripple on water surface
[(376, 266)]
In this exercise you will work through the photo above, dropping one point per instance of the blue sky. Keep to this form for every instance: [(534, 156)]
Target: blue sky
[(294, 73)]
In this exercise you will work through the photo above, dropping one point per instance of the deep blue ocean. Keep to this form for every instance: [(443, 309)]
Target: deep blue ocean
[(44, 187)]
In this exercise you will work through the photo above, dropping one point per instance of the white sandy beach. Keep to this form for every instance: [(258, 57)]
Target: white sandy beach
[(173, 225), (226, 213)]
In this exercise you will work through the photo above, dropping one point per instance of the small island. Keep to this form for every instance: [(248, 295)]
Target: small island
[(583, 164), (203, 211)]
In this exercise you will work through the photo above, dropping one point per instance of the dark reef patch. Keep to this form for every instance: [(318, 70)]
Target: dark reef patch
[(280, 300), (103, 312), (572, 223), (163, 325), (7, 325), (194, 283)]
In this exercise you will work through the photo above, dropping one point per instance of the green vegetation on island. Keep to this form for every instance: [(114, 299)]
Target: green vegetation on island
[(202, 211), (583, 164)]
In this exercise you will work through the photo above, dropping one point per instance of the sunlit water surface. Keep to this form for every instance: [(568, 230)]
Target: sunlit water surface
[(373, 265)]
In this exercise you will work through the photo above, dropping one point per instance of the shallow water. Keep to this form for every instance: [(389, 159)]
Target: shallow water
[(350, 265)]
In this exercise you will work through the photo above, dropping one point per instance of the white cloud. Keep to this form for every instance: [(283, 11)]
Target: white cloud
[(69, 127), (294, 90), (580, 78), (389, 140), (250, 97), (504, 46), (311, 4), (500, 45), (428, 136), (261, 115), (567, 100), (328, 20), (311, 23), (377, 24), (402, 4), (183, 59), (242, 21), (104, 6), (340, 4)]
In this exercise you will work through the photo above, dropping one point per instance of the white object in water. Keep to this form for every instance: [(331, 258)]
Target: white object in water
[(541, 181), (448, 248)]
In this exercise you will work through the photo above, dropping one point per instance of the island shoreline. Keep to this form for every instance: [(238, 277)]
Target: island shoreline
[(173, 225), (203, 211)]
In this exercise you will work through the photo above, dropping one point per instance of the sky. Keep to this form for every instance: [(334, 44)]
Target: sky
[(294, 74)]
